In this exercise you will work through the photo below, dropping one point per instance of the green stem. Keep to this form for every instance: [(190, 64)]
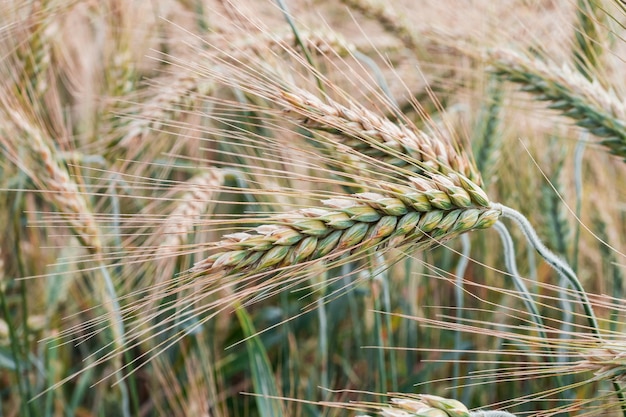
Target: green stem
[(393, 362), (378, 274), (15, 350), (531, 306), (564, 270), (118, 329), (323, 344), (578, 182), (554, 261), (460, 274), (296, 34)]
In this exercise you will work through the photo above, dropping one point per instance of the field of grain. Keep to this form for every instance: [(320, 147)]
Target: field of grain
[(312, 208)]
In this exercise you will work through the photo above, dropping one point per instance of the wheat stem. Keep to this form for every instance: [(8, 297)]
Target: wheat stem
[(554, 261), (578, 186)]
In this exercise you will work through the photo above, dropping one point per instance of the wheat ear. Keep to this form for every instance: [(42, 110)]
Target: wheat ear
[(390, 20), (607, 362), (173, 95), (424, 405), (44, 170), (377, 137), (602, 112), (184, 217), (435, 209), (35, 53)]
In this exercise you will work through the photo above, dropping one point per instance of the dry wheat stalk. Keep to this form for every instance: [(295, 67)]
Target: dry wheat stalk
[(600, 111), (435, 209)]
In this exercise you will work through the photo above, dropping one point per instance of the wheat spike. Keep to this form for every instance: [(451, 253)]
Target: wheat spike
[(436, 209), (378, 137), (390, 20), (588, 103), (173, 94), (607, 362), (42, 166)]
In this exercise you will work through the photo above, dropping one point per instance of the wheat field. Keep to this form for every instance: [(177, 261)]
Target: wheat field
[(312, 208)]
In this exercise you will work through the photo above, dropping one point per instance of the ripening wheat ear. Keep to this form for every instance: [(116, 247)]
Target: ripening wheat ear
[(395, 149), (35, 52), (180, 223), (392, 21), (593, 107), (176, 93), (28, 147), (442, 200), (432, 211)]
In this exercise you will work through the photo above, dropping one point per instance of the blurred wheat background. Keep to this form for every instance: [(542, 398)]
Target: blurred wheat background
[(256, 208)]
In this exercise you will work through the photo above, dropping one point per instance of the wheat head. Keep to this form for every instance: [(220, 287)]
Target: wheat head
[(592, 106)]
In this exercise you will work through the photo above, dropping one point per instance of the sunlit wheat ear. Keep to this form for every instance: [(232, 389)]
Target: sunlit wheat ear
[(607, 361), (436, 209), (319, 42), (35, 52), (599, 110), (377, 137), (171, 95), (345, 100)]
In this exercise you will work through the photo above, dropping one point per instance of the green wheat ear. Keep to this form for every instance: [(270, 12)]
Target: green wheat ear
[(435, 210)]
